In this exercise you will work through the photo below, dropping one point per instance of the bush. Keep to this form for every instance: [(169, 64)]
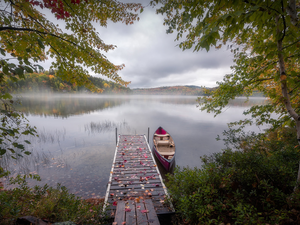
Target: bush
[(51, 204), (249, 186)]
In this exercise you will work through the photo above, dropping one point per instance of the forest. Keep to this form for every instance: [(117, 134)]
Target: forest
[(48, 82)]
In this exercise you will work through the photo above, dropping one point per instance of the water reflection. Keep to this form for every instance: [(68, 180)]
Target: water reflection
[(64, 105), (69, 105), (106, 126), (76, 141)]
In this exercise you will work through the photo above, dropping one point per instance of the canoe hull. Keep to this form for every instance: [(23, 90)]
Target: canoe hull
[(166, 163)]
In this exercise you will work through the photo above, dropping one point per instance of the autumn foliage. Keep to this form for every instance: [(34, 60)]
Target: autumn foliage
[(47, 83)]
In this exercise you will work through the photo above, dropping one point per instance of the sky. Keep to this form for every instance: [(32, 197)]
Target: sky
[(153, 59)]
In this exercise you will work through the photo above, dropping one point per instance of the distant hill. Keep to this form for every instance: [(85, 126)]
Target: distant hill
[(174, 90), (49, 82)]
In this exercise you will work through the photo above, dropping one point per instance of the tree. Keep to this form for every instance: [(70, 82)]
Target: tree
[(264, 37), (28, 36)]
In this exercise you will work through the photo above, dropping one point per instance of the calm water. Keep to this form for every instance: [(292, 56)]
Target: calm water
[(77, 137)]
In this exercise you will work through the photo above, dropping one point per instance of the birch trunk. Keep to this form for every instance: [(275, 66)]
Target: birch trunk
[(284, 90)]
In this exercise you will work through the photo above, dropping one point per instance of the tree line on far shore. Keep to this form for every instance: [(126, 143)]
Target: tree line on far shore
[(48, 82)]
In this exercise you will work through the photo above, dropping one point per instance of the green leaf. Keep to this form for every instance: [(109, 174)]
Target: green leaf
[(28, 69), (2, 151), (28, 142), (39, 66), (41, 44), (6, 70), (26, 61), (19, 146), (2, 52), (11, 65), (19, 71), (6, 96), (11, 150)]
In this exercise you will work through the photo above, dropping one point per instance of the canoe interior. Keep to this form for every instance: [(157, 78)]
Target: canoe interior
[(164, 143)]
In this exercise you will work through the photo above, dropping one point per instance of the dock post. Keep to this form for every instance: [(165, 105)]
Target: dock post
[(116, 135), (148, 134)]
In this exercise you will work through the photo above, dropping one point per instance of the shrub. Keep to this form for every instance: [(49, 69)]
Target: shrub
[(248, 186), (51, 204)]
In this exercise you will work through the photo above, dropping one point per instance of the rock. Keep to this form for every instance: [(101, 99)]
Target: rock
[(28, 220)]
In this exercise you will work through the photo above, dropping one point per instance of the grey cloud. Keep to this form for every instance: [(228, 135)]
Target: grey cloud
[(151, 55), (152, 58)]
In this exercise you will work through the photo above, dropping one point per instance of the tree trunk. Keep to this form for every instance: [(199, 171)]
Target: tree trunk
[(298, 138), (284, 89)]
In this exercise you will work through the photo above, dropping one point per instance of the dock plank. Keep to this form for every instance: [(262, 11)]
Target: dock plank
[(152, 217), (141, 216), (135, 178), (131, 216), (120, 213)]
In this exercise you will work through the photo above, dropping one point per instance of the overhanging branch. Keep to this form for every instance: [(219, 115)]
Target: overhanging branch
[(36, 31)]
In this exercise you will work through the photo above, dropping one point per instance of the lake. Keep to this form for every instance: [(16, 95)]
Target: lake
[(77, 136)]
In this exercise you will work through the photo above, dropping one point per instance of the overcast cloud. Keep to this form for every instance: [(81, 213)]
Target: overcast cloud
[(153, 59)]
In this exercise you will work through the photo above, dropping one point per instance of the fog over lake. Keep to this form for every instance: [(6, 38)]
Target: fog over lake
[(77, 137)]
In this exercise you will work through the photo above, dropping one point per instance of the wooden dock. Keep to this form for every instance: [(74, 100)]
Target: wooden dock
[(134, 178)]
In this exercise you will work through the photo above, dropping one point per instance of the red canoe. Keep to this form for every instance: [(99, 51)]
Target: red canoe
[(164, 148)]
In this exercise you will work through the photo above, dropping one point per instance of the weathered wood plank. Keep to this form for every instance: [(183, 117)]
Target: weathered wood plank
[(152, 217), (141, 216), (131, 216), (120, 213)]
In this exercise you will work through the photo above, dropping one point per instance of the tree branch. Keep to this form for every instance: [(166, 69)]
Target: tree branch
[(291, 44), (40, 32), (284, 23)]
